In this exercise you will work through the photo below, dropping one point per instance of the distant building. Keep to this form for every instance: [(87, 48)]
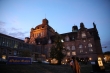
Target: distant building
[(10, 46), (83, 43)]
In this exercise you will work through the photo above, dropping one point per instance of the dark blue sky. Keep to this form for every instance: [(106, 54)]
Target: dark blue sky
[(17, 17)]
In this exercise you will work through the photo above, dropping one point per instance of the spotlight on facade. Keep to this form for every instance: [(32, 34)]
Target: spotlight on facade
[(90, 58), (66, 60), (47, 60), (4, 57), (54, 61), (105, 59)]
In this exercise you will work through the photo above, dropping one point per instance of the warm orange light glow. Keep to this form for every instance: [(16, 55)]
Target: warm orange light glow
[(90, 58), (47, 60), (66, 60), (3, 56), (54, 61)]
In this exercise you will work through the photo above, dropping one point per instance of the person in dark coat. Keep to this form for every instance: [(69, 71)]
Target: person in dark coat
[(75, 65)]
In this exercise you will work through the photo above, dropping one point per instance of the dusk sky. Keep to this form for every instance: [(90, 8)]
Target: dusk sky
[(17, 17)]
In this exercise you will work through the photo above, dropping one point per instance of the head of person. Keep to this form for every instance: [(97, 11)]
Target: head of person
[(73, 57)]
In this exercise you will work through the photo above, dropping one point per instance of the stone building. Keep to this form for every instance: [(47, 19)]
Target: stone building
[(83, 43)]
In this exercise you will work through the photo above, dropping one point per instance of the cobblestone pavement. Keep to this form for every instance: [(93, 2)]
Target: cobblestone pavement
[(42, 68), (35, 68)]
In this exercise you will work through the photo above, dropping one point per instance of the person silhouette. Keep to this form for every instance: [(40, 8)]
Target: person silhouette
[(75, 65)]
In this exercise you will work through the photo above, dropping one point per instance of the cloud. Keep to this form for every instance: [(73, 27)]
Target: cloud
[(2, 23), (107, 45), (14, 29), (20, 35), (2, 29)]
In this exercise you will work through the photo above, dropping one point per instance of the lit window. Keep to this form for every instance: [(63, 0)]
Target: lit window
[(85, 46), (68, 48), (81, 50), (90, 58), (83, 35), (73, 47), (15, 52), (73, 38), (68, 53), (80, 46), (49, 41), (15, 46), (85, 52), (73, 53), (67, 38), (62, 40), (90, 49), (89, 45), (39, 43), (84, 40)]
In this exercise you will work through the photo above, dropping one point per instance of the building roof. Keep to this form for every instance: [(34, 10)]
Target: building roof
[(4, 35)]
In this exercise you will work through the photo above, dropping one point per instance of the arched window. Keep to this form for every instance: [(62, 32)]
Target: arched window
[(73, 38), (81, 50), (83, 35), (89, 45), (73, 53), (15, 52), (68, 48), (68, 53), (73, 47), (90, 49), (49, 41), (80, 46), (66, 38)]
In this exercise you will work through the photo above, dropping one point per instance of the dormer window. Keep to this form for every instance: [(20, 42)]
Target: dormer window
[(67, 38), (83, 35)]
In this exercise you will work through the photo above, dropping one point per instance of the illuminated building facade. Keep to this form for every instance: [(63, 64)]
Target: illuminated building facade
[(83, 43), (10, 46)]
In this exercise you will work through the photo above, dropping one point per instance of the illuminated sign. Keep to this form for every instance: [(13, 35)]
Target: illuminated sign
[(19, 60), (100, 61)]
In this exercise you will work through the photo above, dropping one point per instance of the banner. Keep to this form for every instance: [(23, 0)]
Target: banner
[(19, 60)]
